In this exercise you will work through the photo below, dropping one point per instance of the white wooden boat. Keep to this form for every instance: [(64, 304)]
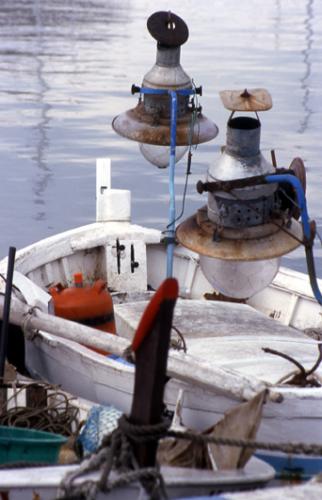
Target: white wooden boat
[(311, 490), (80, 480), (224, 363), (28, 484)]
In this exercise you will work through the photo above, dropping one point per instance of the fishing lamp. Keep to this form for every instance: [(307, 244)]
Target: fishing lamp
[(167, 119), (149, 123), (248, 222)]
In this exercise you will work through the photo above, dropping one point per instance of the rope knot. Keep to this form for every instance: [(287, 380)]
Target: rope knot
[(116, 453), (142, 433)]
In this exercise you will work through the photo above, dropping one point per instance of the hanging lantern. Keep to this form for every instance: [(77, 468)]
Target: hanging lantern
[(149, 123), (248, 223), (167, 114)]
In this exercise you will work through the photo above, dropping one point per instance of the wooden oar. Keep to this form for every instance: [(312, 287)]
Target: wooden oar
[(151, 345), (180, 366)]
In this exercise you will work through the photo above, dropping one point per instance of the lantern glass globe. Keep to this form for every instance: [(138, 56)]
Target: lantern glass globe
[(160, 155), (239, 279)]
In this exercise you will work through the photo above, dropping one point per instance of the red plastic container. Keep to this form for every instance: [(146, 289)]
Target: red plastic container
[(88, 305)]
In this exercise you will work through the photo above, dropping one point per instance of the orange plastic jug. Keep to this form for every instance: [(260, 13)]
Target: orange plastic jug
[(88, 305)]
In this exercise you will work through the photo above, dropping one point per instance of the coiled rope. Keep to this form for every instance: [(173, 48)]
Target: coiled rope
[(58, 414)]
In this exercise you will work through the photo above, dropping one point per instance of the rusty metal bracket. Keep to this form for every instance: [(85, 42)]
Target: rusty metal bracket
[(237, 183)]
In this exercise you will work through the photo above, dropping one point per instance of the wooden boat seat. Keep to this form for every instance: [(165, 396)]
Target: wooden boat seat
[(230, 335), (201, 318)]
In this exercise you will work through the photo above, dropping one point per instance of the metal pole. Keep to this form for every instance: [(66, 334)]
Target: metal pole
[(173, 94), (172, 201)]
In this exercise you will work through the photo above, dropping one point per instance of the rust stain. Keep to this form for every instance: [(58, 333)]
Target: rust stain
[(151, 128)]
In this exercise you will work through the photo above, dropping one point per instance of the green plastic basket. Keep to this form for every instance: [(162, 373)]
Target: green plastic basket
[(28, 445)]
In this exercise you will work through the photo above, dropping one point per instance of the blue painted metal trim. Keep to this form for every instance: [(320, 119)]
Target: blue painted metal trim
[(121, 360), (293, 467), (145, 90)]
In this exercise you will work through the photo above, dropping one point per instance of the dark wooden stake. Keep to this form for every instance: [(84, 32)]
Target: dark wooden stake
[(6, 310), (151, 363), (36, 396), (5, 325)]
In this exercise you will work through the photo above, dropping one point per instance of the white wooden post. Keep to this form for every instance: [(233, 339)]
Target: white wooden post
[(111, 204)]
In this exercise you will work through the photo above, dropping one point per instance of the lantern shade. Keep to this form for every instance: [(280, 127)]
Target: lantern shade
[(140, 126), (150, 121), (247, 100), (274, 244)]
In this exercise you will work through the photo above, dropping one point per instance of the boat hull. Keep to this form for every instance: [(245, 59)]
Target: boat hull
[(105, 381), (31, 483), (91, 250)]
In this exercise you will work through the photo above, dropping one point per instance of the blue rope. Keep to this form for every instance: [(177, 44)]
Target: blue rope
[(295, 182)]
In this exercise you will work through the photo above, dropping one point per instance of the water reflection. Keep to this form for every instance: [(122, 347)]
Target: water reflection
[(305, 79), (277, 24), (66, 69), (44, 173)]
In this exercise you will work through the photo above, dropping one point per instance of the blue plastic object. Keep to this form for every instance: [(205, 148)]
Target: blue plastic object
[(102, 420)]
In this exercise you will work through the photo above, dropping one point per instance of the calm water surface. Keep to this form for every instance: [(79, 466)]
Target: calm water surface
[(66, 67)]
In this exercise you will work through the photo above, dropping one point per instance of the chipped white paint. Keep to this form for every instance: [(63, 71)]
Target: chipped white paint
[(128, 270), (213, 331), (278, 299), (291, 309), (33, 294)]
